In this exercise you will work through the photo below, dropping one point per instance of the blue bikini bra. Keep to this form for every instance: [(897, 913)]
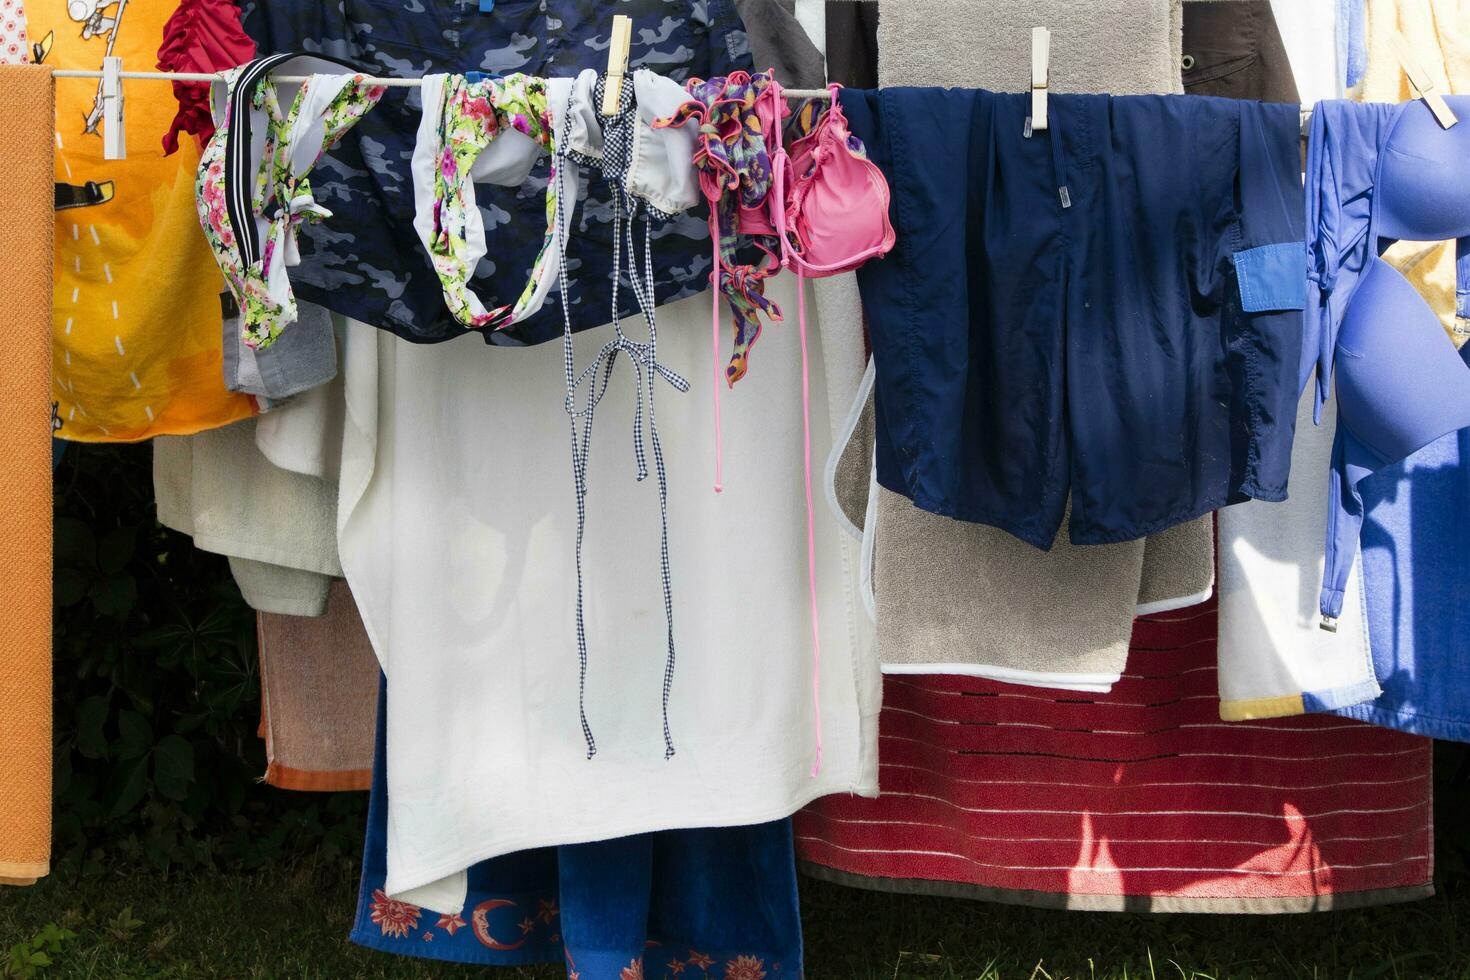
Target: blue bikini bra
[(1378, 174)]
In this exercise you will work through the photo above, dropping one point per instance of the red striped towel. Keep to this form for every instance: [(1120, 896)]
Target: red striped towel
[(1141, 799)]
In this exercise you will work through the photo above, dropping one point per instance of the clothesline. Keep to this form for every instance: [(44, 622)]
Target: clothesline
[(194, 76)]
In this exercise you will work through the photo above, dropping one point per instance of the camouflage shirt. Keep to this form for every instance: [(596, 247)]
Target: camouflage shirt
[(367, 263)]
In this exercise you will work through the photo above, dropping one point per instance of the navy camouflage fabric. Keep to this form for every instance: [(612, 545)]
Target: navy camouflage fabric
[(367, 263)]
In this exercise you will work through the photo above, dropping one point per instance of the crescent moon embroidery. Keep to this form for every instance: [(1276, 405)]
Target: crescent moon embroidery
[(480, 919)]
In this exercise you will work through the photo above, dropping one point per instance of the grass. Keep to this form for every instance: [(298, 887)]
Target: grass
[(292, 922)]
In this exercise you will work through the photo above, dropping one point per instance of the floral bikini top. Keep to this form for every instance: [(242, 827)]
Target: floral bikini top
[(735, 121), (487, 129), (252, 190)]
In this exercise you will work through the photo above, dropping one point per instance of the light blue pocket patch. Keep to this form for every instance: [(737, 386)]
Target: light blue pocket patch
[(1272, 277)]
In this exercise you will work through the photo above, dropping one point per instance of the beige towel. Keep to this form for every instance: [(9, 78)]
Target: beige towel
[(318, 697), (1116, 46), (27, 141), (956, 597), (1438, 32)]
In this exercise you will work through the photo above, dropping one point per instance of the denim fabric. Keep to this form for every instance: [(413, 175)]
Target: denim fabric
[(1061, 314), (366, 263), (1414, 542)]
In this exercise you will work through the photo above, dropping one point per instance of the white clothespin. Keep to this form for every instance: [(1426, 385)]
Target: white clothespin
[(617, 63), (114, 138), (1422, 82), (1040, 68)]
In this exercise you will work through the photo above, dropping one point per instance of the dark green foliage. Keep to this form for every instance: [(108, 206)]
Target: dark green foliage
[(158, 693), (157, 769), (27, 958), (292, 922)]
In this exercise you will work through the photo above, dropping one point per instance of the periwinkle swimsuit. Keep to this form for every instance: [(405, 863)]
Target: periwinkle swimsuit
[(1377, 174)]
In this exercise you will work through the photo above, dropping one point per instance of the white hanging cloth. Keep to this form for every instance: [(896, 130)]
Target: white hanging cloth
[(456, 533)]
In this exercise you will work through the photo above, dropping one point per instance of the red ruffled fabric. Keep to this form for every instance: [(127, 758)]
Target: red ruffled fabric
[(202, 36)]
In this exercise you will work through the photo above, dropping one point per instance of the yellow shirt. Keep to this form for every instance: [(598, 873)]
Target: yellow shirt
[(137, 338)]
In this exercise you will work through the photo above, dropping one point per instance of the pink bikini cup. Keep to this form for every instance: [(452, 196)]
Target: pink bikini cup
[(831, 201)]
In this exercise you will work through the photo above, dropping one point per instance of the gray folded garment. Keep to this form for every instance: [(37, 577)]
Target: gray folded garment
[(777, 40), (304, 356), (1131, 48)]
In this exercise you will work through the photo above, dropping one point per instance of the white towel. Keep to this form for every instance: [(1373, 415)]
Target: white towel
[(1274, 659), (457, 528), (1309, 32)]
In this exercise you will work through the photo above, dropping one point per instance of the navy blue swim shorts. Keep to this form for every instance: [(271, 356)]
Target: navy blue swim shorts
[(1107, 309)]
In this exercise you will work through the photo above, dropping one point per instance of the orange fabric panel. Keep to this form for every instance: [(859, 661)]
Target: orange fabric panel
[(25, 475)]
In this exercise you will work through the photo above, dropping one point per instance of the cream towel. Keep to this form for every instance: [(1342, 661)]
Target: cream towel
[(264, 492), (277, 527), (27, 104)]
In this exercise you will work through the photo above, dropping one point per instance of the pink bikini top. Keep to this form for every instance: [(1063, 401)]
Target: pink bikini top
[(828, 207), (830, 202), (827, 203), (823, 206)]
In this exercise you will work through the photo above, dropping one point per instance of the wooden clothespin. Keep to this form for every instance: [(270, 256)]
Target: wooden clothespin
[(1040, 70), (617, 63), (114, 137), (1422, 82)]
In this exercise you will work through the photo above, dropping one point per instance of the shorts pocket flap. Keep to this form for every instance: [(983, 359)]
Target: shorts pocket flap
[(1272, 277)]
